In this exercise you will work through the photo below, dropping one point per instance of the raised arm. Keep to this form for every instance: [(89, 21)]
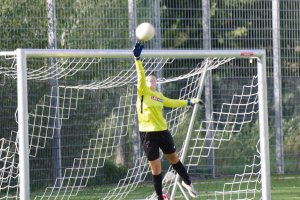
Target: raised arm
[(141, 85)]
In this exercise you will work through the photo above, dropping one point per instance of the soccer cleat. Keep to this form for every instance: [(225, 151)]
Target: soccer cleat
[(165, 196), (158, 198), (190, 188)]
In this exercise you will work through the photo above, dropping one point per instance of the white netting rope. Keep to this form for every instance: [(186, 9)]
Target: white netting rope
[(230, 119), (174, 119), (110, 142), (101, 147), (244, 186)]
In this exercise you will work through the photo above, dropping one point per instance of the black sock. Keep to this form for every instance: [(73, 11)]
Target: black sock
[(157, 182), (180, 169)]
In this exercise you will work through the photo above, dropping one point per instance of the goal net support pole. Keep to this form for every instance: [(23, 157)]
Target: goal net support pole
[(189, 134), (23, 125), (263, 127), (23, 54)]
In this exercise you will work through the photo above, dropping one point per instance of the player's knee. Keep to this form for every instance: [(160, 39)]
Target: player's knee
[(155, 167), (173, 158)]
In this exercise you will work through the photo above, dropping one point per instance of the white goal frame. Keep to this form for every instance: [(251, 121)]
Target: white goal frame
[(23, 54)]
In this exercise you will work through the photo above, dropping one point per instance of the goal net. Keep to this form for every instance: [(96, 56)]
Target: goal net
[(69, 127)]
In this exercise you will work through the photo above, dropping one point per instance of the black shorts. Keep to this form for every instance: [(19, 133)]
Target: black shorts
[(153, 141)]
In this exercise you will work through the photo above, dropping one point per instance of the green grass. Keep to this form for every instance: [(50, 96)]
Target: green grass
[(285, 187)]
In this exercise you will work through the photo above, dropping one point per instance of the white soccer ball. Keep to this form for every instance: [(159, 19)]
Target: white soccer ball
[(145, 32)]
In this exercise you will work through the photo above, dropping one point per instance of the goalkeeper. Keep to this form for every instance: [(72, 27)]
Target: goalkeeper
[(153, 127)]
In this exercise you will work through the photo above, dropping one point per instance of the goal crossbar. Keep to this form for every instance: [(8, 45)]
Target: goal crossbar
[(124, 53)]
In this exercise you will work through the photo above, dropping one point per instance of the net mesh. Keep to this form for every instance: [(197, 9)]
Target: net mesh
[(58, 105)]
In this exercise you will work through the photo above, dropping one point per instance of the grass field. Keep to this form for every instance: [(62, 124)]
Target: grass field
[(285, 187), (282, 188)]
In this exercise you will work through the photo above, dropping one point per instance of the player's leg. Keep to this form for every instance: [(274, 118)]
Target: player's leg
[(168, 147), (157, 177), (152, 152), (180, 169)]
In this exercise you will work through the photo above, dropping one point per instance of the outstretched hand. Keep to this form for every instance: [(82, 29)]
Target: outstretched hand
[(196, 101), (138, 50)]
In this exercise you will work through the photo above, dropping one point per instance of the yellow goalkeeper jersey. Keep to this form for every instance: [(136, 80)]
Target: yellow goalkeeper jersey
[(150, 104)]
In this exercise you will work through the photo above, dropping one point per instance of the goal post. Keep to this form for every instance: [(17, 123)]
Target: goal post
[(22, 55), (263, 124), (23, 125)]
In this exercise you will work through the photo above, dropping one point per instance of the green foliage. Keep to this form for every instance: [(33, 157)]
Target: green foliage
[(238, 32), (292, 134), (79, 24), (290, 97), (8, 104), (291, 130), (239, 24), (91, 24), (110, 173), (19, 29), (234, 154), (182, 31)]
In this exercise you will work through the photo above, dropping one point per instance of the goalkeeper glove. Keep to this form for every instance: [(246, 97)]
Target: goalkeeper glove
[(138, 50), (194, 101)]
